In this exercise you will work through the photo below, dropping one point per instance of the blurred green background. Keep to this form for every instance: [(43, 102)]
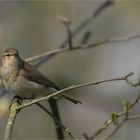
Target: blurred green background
[(32, 27)]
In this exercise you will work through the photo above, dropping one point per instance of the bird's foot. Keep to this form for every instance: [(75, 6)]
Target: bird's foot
[(17, 99)]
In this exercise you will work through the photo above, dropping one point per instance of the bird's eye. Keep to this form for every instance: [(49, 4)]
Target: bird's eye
[(8, 55)]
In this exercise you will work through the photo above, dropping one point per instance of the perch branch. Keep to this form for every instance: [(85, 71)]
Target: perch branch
[(12, 116), (123, 78), (16, 108), (11, 120)]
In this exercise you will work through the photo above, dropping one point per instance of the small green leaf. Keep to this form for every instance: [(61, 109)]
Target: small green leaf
[(114, 118), (86, 37), (126, 105)]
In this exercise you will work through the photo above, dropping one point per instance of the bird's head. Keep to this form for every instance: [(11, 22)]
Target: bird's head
[(10, 56)]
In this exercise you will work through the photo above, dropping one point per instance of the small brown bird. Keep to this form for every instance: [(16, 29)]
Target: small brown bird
[(26, 81)]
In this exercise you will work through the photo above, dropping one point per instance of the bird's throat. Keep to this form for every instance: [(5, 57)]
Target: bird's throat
[(9, 72)]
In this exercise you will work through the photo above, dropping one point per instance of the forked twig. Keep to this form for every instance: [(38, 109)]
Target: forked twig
[(110, 121)]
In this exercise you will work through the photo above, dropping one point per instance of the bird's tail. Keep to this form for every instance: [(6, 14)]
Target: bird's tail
[(55, 112), (64, 96), (71, 99)]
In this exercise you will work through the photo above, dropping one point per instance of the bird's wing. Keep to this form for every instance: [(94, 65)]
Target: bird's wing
[(34, 75)]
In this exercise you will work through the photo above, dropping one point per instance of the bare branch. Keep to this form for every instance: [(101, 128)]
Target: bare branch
[(15, 108), (134, 117), (100, 9), (123, 78), (93, 16), (135, 102), (67, 23), (66, 130), (110, 121), (115, 130), (54, 52), (120, 124), (82, 25), (105, 125), (11, 120), (114, 40)]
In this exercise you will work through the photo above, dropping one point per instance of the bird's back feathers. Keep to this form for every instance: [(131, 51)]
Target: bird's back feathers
[(34, 75)]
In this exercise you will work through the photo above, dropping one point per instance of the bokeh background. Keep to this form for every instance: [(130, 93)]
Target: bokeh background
[(32, 27)]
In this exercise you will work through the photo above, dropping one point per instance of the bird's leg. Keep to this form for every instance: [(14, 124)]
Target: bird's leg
[(17, 99)]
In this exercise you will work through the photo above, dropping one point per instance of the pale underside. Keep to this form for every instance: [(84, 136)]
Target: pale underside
[(27, 89)]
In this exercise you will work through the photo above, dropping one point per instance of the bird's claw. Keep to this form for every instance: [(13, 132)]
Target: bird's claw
[(17, 99)]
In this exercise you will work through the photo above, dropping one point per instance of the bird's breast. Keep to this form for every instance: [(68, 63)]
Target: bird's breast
[(19, 85), (8, 75)]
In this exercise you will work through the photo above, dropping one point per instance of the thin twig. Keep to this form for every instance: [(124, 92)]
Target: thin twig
[(69, 36), (119, 125), (66, 130), (102, 128), (135, 102), (115, 130), (114, 40), (134, 117), (54, 52), (123, 78), (67, 23), (58, 128), (93, 16), (82, 25), (110, 121), (102, 7)]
